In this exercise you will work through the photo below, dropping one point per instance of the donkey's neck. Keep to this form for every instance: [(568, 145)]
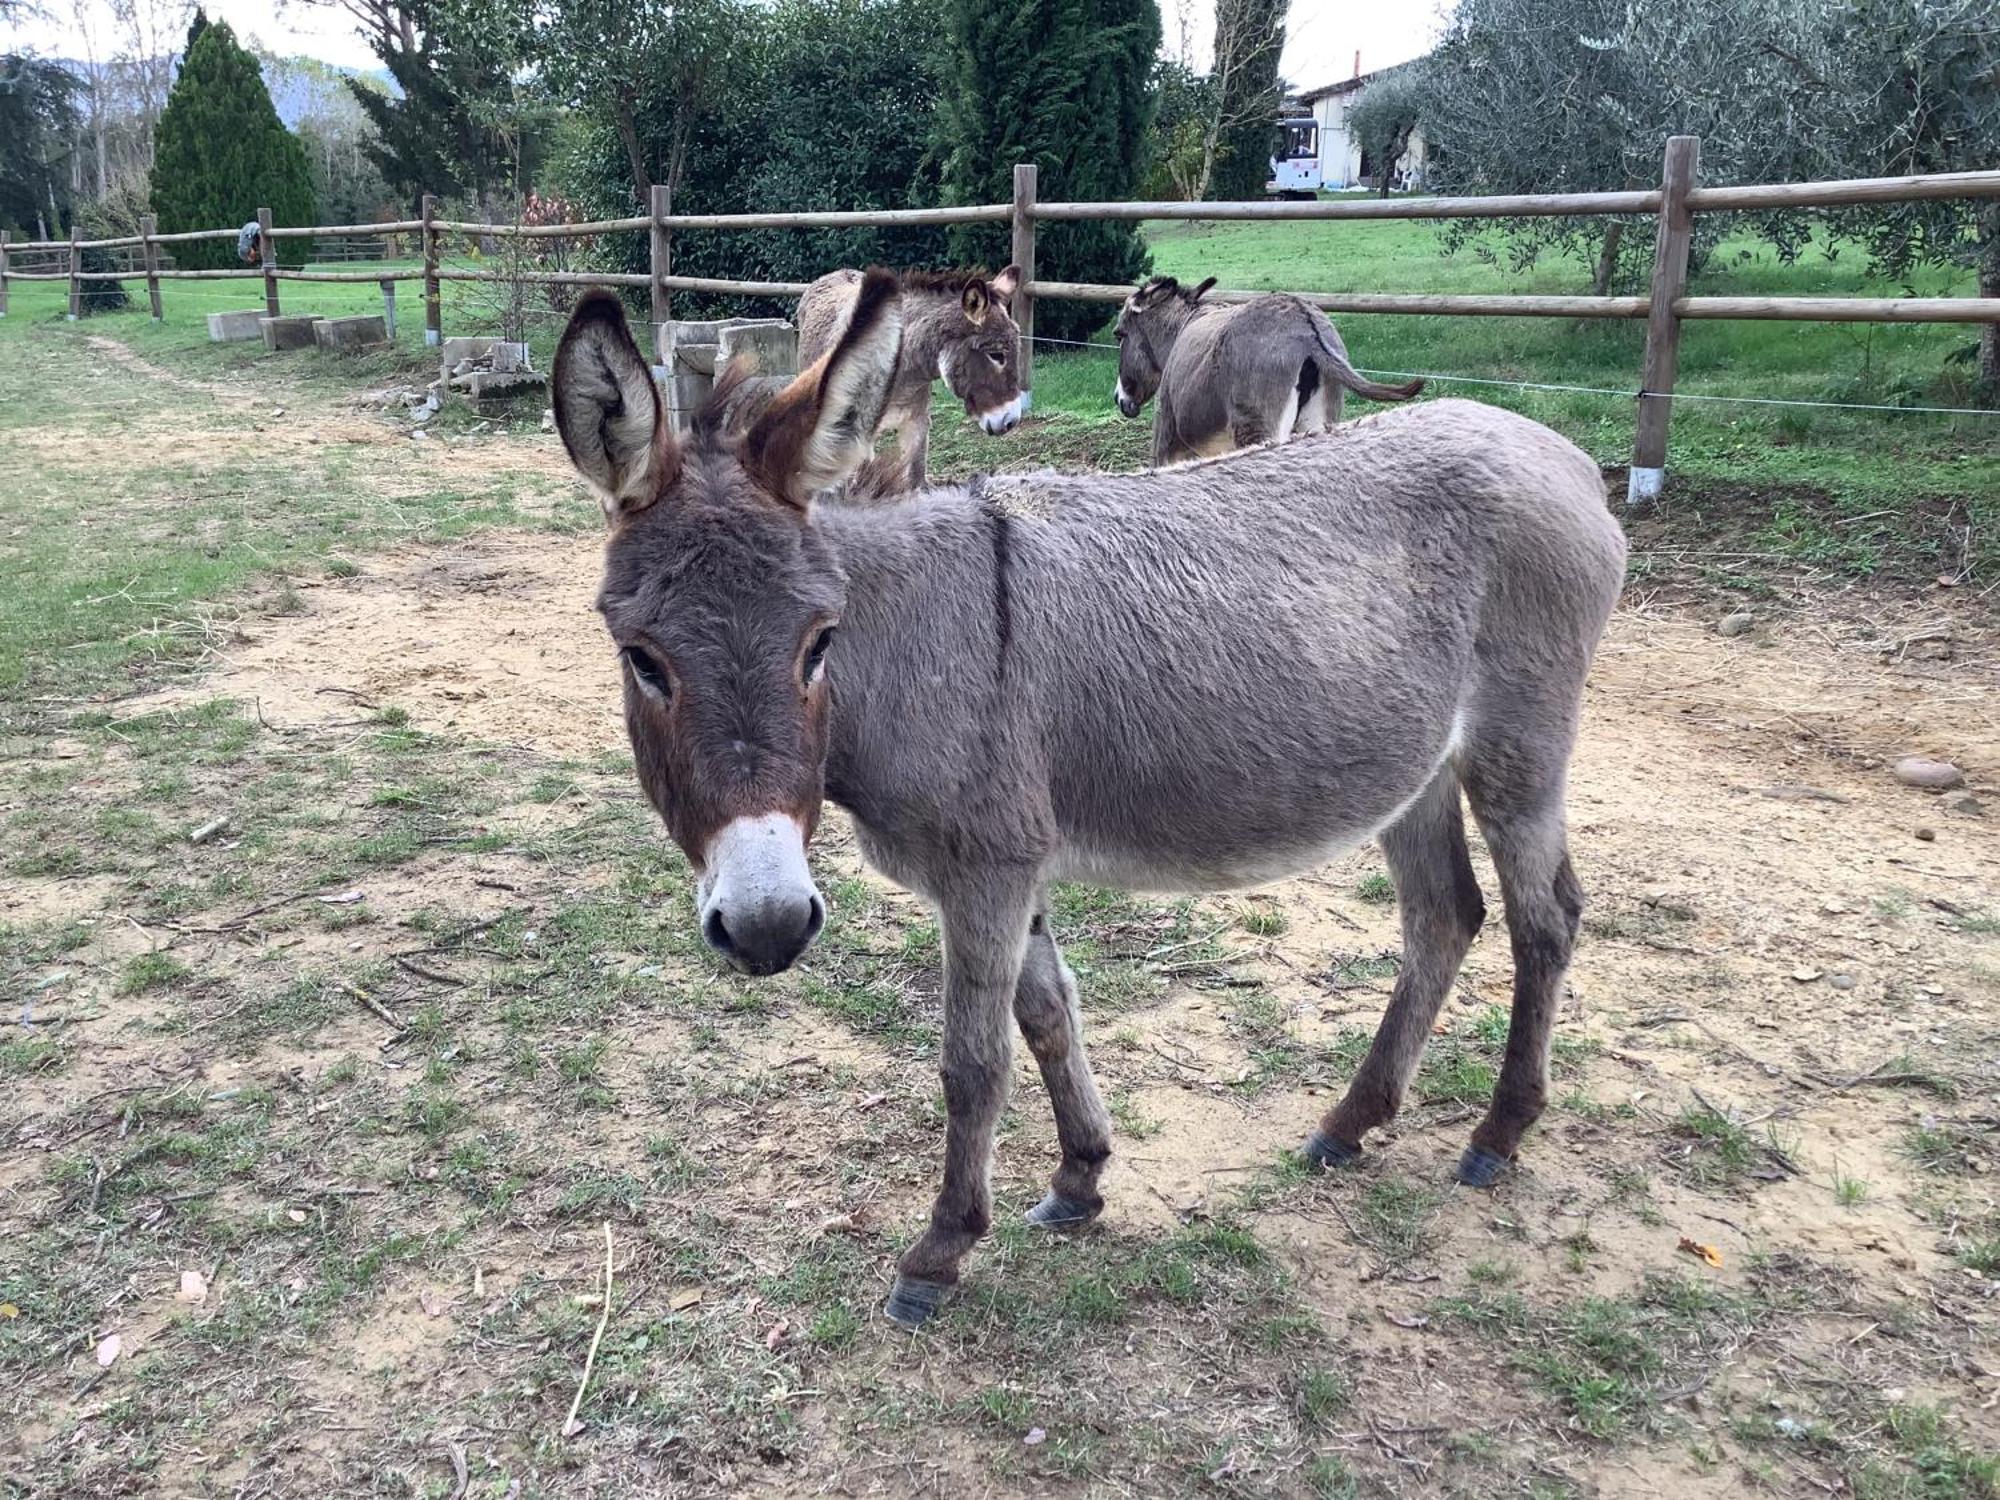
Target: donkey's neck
[(926, 320)]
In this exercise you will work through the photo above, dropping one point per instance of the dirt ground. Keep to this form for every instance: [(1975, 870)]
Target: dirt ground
[(1750, 1248)]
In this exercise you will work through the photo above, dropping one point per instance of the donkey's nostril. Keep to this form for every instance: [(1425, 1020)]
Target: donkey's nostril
[(716, 933), (816, 917)]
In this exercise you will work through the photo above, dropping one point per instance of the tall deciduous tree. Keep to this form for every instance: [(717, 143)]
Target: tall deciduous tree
[(1246, 98), (39, 125), (1062, 84), (460, 124), (221, 152)]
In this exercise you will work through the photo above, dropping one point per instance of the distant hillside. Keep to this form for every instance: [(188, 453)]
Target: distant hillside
[(296, 83)]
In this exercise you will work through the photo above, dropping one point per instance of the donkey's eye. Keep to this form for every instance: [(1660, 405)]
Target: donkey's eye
[(652, 676), (816, 657)]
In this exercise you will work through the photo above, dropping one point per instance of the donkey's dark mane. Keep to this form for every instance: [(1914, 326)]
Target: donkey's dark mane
[(951, 280)]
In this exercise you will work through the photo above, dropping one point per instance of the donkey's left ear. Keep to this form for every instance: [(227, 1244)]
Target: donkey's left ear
[(1199, 292), (821, 427), (608, 410), (1006, 284), (975, 300)]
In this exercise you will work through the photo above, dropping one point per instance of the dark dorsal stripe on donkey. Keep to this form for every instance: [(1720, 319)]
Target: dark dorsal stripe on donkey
[(1236, 374), (1204, 677)]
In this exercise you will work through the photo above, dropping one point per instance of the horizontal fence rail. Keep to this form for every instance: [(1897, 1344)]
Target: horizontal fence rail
[(1674, 203)]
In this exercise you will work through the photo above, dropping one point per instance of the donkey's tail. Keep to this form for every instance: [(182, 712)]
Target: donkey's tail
[(1345, 375)]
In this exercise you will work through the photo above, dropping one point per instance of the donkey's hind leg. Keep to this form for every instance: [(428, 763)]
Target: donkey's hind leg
[(1441, 911), (1045, 1005), (1516, 795)]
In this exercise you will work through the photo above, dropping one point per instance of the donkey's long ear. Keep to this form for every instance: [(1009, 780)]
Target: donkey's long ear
[(608, 411), (1201, 291), (975, 299), (822, 426), (1006, 284)]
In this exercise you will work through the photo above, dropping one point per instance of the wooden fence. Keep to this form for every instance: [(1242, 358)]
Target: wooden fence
[(1665, 307)]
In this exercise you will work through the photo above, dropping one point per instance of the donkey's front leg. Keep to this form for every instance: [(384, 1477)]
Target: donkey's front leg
[(913, 447), (983, 942)]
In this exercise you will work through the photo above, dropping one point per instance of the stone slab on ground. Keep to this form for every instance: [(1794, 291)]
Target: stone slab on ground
[(236, 327), (293, 331), (351, 335), (495, 393)]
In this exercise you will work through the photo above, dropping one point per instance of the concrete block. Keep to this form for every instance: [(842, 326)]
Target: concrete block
[(288, 332), (351, 335), (236, 327), (771, 347), (509, 358), (697, 357), (494, 393)]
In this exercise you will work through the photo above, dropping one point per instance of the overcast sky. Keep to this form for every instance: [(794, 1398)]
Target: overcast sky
[(1321, 39)]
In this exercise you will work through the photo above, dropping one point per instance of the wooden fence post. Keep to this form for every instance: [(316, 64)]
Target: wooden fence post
[(663, 254), (3, 273), (75, 266), (1663, 325), (149, 225), (389, 309), (270, 248), (433, 324), (1024, 257)]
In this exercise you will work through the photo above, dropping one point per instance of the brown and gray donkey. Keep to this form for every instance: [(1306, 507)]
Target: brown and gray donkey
[(1233, 374), (956, 328), (1195, 678)]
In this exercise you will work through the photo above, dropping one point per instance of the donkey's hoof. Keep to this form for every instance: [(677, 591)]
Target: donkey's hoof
[(1480, 1168), (911, 1301), (1059, 1212), (1322, 1150)]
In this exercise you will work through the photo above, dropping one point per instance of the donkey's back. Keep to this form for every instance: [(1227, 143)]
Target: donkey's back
[(1286, 646)]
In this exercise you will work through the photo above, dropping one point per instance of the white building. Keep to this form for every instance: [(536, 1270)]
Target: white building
[(1343, 164)]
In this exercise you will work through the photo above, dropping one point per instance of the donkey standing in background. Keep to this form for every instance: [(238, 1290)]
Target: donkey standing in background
[(1202, 677), (956, 328), (1233, 375)]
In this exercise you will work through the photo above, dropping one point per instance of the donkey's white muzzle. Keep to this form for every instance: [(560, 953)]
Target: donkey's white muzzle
[(1126, 405), (759, 906), (1003, 418)]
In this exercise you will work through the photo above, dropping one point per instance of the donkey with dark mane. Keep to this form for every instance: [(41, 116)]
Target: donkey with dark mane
[(1211, 676), (1233, 374)]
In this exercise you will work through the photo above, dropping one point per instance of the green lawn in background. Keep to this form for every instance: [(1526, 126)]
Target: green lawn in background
[(1861, 460)]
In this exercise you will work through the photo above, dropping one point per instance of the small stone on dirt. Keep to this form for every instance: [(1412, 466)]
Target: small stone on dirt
[(1926, 835), (1841, 981), (1738, 623), (1805, 974), (1932, 775)]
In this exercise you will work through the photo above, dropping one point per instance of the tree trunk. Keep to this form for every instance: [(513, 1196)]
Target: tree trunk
[(1607, 259), (635, 154)]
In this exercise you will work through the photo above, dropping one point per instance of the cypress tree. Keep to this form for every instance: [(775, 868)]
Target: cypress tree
[(1062, 84), (220, 152), (1252, 33)]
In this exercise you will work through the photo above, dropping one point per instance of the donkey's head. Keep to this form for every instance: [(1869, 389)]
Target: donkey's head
[(979, 354), (722, 602), (1149, 322)]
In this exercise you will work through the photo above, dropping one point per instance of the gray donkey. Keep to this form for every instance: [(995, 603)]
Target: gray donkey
[(1233, 375), (956, 328), (1204, 677)]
